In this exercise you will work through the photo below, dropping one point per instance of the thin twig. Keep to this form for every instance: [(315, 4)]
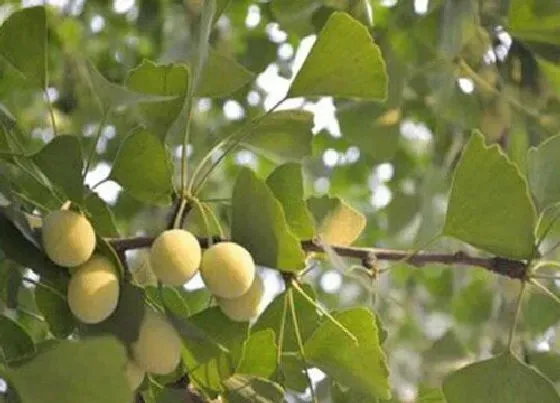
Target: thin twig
[(545, 276), (517, 314), (300, 342), (51, 112), (504, 266), (91, 153), (281, 333), (195, 186)]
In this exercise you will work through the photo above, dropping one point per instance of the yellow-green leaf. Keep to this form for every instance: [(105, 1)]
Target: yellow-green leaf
[(337, 222), (490, 206), (344, 62)]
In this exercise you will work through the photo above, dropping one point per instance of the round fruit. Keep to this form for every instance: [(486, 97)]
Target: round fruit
[(175, 256), (228, 270), (93, 290), (245, 307), (68, 238), (134, 374), (158, 348)]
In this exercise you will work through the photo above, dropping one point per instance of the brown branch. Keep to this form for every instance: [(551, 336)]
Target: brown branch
[(506, 267)]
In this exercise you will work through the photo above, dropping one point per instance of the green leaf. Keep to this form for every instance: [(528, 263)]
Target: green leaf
[(62, 162), (401, 211), (547, 362), (460, 23), (371, 127), (258, 357), (296, 15), (477, 213), (15, 342), (286, 182), (7, 121), (242, 389), (113, 95), (220, 330), (337, 222), (21, 250), (54, 307), (548, 222), (23, 43), (271, 243), (209, 361), (174, 301), (501, 379), (473, 303), (342, 394), (430, 395), (543, 165), (142, 168), (552, 72), (361, 366), (540, 311), (212, 83), (271, 318), (101, 216), (183, 303), (447, 349), (89, 371), (160, 79), (283, 136), (527, 22), (169, 395), (10, 282), (293, 373), (344, 62)]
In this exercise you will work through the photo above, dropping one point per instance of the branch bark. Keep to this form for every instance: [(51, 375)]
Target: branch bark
[(516, 269)]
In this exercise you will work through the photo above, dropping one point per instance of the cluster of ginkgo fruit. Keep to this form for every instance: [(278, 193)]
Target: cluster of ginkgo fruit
[(227, 269)]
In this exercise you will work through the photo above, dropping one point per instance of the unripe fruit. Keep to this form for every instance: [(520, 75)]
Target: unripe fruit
[(134, 374), (93, 290), (158, 348), (175, 256), (68, 238), (228, 270), (245, 307)]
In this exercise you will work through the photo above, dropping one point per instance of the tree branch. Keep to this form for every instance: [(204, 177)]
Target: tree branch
[(516, 269)]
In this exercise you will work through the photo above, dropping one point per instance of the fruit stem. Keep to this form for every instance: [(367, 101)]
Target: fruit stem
[(517, 314), (347, 332), (290, 293)]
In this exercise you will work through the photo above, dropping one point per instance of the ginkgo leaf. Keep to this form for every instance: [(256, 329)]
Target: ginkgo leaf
[(344, 62), (501, 379), (490, 206), (337, 222)]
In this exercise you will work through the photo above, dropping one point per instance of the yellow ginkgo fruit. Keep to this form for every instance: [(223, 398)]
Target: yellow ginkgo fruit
[(134, 374), (93, 290), (245, 307), (175, 256), (227, 269), (68, 238), (158, 348)]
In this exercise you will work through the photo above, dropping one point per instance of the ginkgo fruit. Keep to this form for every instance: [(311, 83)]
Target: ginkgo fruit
[(175, 256), (158, 348), (93, 290), (68, 238), (245, 307), (227, 269), (134, 374)]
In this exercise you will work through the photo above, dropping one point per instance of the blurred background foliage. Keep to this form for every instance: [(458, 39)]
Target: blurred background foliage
[(453, 66)]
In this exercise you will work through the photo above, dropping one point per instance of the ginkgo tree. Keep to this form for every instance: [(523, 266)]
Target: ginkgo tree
[(445, 292)]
